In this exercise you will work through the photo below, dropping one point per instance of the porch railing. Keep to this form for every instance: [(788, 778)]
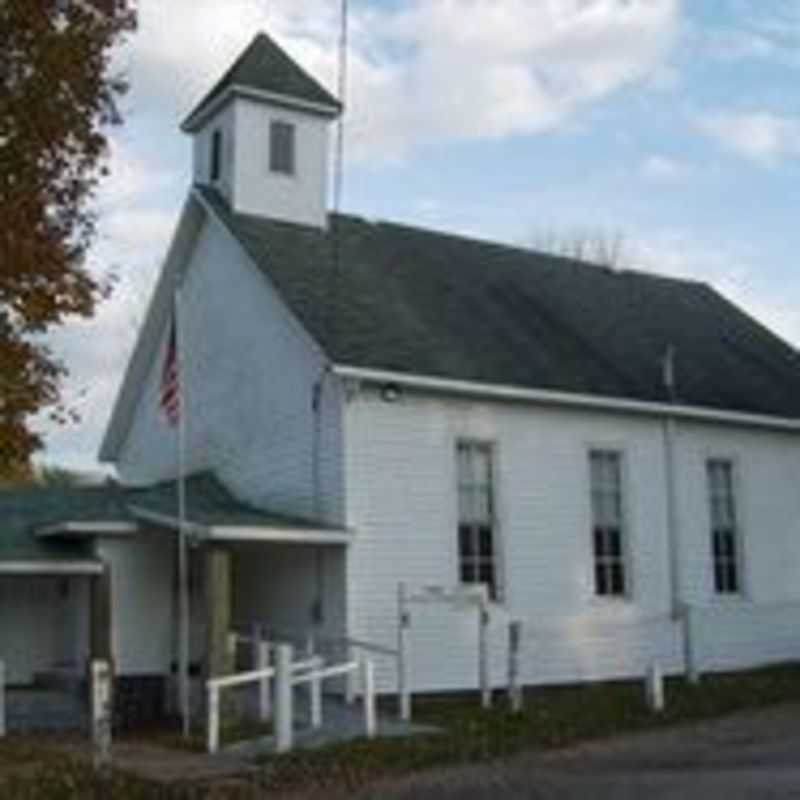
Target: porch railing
[(287, 674), (311, 641)]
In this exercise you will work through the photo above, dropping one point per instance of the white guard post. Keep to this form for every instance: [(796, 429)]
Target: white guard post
[(654, 684), (459, 596), (284, 712), (101, 714), (262, 659), (514, 647), (368, 690)]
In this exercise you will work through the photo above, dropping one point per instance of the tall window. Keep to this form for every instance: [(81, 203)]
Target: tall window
[(608, 525), (282, 148), (476, 525), (216, 155), (724, 533)]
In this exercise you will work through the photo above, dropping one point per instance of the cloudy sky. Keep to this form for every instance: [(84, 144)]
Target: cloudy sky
[(674, 124)]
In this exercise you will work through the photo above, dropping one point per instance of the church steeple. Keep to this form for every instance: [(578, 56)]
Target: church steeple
[(261, 136)]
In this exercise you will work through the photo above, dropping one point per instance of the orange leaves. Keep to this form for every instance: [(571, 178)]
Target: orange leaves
[(57, 96)]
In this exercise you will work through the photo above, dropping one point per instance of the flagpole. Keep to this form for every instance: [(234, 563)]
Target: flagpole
[(183, 560)]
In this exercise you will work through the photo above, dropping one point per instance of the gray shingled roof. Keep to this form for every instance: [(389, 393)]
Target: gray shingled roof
[(427, 303), (266, 67), (23, 511)]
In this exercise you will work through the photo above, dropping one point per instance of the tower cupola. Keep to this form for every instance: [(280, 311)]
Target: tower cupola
[(260, 137)]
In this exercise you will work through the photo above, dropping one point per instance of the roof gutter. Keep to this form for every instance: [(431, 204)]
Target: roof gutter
[(169, 522), (58, 568), (565, 399)]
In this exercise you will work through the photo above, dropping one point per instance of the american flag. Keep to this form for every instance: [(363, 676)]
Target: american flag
[(170, 401)]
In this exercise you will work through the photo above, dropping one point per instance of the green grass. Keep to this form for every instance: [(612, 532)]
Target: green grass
[(553, 717)]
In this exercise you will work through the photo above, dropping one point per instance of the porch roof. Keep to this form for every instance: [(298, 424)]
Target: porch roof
[(213, 513), (24, 510), (45, 524)]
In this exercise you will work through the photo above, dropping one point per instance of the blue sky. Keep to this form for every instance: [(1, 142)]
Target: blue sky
[(675, 125)]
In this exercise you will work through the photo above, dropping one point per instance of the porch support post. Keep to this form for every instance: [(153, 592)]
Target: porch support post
[(218, 611), (100, 645)]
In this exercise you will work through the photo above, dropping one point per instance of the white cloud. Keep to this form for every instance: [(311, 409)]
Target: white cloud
[(758, 135), (426, 71), (662, 169)]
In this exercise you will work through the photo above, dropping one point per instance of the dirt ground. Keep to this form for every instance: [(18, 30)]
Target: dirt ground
[(752, 756)]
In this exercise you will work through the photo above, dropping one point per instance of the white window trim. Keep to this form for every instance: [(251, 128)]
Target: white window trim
[(280, 174), (501, 588), (627, 597), (742, 595)]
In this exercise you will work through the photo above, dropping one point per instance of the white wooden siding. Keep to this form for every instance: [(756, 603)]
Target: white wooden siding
[(300, 197), (400, 466), (142, 605), (249, 372)]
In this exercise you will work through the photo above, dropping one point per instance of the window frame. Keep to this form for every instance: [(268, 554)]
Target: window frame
[(739, 561), (274, 165), (495, 589), (625, 527)]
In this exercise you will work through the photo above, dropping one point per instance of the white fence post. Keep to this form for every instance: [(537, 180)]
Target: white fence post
[(212, 724), (2, 698), (349, 680), (368, 689), (101, 714), (264, 688), (315, 689), (284, 713), (692, 671), (654, 687), (514, 645), (483, 657), (403, 625)]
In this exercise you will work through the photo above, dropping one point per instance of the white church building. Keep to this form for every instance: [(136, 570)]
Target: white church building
[(368, 404)]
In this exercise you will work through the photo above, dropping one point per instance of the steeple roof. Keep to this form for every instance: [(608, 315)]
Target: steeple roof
[(265, 67)]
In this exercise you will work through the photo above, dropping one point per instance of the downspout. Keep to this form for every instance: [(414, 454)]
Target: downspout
[(670, 430)]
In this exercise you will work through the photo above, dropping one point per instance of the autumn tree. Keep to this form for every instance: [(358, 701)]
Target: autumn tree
[(58, 97)]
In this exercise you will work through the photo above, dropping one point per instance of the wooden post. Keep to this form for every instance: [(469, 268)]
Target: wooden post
[(101, 714), (264, 688), (403, 626), (100, 649), (2, 698), (690, 664), (483, 657), (654, 688), (284, 713), (514, 646), (218, 611), (212, 730), (100, 644), (368, 689)]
